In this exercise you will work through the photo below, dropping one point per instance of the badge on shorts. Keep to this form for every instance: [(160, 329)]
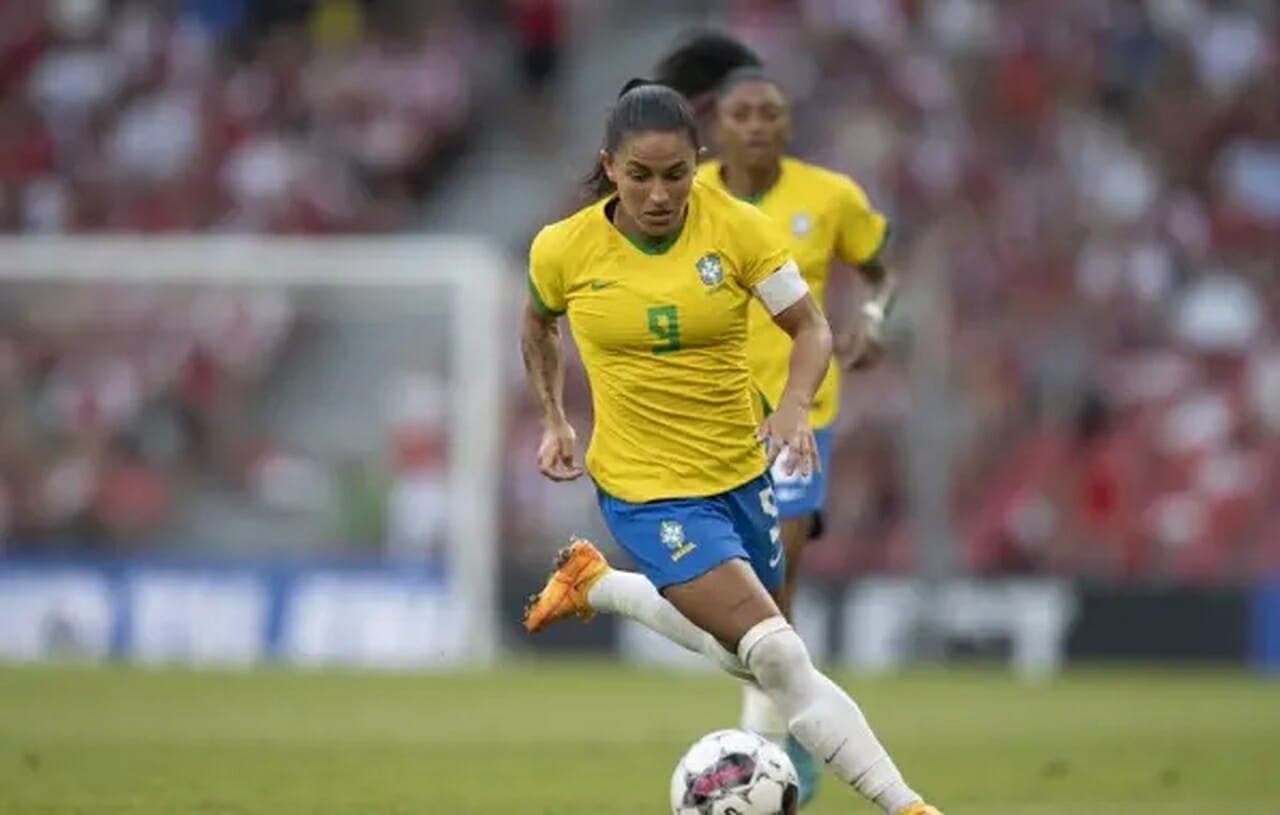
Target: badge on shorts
[(710, 270), (672, 535)]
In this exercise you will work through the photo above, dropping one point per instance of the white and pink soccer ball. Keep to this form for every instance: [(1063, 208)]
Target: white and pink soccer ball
[(732, 772)]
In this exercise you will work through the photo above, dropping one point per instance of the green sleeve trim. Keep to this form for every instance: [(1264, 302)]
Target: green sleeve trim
[(539, 304)]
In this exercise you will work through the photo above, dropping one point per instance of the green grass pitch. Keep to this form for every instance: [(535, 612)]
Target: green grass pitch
[(600, 739)]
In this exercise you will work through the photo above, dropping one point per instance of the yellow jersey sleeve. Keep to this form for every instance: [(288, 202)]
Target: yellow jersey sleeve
[(546, 278), (861, 229), (762, 248)]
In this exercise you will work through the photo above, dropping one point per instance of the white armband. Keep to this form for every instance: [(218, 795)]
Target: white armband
[(782, 289)]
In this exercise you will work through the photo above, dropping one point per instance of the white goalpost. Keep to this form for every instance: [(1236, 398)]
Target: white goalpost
[(439, 301)]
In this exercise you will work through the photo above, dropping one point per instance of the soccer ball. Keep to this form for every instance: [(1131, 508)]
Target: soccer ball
[(732, 772)]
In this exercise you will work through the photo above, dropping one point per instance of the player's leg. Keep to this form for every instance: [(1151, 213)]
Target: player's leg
[(759, 714), (757, 708), (583, 583), (733, 603), (799, 499), (720, 589), (632, 595)]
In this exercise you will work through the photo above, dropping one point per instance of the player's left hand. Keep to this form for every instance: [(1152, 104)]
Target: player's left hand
[(862, 347), (787, 428)]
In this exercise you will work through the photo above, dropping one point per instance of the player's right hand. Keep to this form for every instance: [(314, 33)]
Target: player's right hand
[(557, 454), (787, 431)]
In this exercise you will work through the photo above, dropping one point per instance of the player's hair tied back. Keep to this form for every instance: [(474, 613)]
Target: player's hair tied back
[(633, 83)]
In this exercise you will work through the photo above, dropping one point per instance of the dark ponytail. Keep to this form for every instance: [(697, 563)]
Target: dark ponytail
[(643, 105), (635, 82), (701, 60)]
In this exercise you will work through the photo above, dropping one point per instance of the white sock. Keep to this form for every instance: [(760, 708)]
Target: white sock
[(633, 596), (821, 715), (760, 715)]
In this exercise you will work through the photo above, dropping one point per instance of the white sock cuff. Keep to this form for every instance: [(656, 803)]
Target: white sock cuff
[(758, 633)]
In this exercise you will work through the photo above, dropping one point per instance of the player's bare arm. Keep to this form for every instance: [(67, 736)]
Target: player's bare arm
[(542, 348), (788, 425)]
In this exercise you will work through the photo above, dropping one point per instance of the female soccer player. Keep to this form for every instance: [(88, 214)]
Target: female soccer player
[(656, 278)]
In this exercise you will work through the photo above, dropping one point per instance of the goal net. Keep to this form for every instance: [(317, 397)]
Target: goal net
[(229, 450)]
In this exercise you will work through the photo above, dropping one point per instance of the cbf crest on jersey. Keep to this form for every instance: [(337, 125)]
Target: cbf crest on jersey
[(672, 535), (710, 270), (801, 224)]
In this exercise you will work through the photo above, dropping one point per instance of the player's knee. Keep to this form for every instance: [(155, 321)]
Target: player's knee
[(728, 661), (775, 653)]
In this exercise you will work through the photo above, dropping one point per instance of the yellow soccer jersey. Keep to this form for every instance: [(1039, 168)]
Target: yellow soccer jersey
[(663, 338), (827, 216)]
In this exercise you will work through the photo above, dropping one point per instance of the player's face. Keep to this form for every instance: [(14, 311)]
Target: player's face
[(753, 124), (653, 172)]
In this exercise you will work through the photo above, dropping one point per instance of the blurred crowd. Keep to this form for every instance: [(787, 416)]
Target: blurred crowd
[(175, 116), (159, 116)]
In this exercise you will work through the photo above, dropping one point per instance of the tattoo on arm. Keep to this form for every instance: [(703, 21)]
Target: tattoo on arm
[(542, 350)]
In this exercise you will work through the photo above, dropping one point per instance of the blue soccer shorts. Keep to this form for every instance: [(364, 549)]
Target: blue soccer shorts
[(678, 539)]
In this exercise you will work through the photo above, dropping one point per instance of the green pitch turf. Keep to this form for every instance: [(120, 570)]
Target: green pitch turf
[(597, 739)]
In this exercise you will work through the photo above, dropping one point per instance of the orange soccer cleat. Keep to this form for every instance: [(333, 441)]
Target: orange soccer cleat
[(578, 567), (920, 809)]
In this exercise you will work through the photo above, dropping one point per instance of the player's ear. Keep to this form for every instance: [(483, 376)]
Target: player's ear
[(606, 161)]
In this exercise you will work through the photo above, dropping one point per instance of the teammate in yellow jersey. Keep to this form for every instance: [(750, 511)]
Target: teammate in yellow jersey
[(656, 278), (828, 218)]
